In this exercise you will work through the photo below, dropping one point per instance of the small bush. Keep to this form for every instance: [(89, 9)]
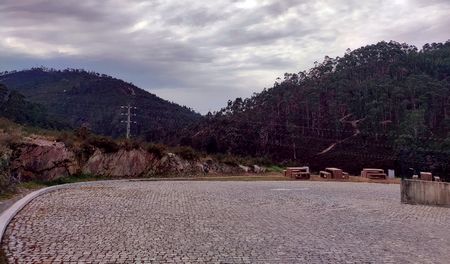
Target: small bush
[(187, 153), (246, 161), (130, 144), (275, 168), (229, 160), (158, 150), (10, 139), (7, 125), (66, 138), (71, 179), (83, 133), (260, 161), (84, 150), (7, 183), (106, 144)]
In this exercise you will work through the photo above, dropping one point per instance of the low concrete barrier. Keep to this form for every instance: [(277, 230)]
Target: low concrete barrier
[(425, 192)]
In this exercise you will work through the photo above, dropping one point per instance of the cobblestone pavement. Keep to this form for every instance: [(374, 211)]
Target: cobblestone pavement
[(228, 222)]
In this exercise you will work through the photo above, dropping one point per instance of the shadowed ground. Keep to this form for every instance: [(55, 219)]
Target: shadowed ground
[(228, 222)]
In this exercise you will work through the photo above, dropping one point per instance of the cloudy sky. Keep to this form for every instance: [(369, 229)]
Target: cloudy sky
[(201, 53)]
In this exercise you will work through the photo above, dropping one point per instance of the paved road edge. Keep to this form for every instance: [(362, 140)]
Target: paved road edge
[(13, 210)]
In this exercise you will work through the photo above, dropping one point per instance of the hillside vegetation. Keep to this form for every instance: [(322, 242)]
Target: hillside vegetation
[(385, 105), (83, 98), (15, 107)]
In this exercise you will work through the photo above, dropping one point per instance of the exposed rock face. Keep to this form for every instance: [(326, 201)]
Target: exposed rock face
[(124, 163), (42, 159), (258, 169), (174, 164), (210, 166), (252, 169), (140, 163), (244, 168)]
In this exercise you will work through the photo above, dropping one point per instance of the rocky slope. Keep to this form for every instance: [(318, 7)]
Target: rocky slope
[(46, 160), (40, 159)]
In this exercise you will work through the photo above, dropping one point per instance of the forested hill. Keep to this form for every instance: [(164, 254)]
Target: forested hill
[(15, 107), (385, 105), (88, 98)]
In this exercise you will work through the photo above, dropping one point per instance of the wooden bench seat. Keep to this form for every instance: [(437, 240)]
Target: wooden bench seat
[(376, 175), (373, 174), (302, 175), (345, 176), (365, 172), (325, 174), (336, 174)]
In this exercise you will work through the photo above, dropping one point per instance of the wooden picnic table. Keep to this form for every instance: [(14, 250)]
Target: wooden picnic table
[(298, 173), (372, 173)]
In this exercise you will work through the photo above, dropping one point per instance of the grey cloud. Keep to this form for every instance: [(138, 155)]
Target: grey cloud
[(50, 11), (198, 17), (203, 53)]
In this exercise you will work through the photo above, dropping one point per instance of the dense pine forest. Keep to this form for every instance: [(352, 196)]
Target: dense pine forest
[(384, 105)]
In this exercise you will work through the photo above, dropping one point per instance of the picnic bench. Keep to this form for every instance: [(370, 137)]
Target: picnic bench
[(301, 173), (333, 173), (426, 176), (373, 173)]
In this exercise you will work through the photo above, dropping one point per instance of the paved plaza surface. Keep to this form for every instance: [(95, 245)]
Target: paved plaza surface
[(227, 222)]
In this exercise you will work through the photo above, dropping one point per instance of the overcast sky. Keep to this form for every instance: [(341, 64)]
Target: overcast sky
[(200, 53)]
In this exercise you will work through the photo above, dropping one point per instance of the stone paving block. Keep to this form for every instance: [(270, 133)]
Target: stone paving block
[(227, 222)]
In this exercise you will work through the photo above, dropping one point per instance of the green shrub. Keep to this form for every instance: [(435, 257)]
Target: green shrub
[(7, 125), (130, 144), (158, 150), (83, 133), (187, 153), (66, 138), (229, 159), (260, 161), (3, 258), (275, 168), (7, 184), (10, 138), (71, 179), (108, 145), (246, 161)]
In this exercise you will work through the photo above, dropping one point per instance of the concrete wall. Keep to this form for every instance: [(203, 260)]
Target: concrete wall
[(425, 192)]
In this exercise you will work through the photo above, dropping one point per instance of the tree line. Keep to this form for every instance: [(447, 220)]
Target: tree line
[(387, 94)]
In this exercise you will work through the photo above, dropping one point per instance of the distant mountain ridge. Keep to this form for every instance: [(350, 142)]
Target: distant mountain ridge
[(87, 98)]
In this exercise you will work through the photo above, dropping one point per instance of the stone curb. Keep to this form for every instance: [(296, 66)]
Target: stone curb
[(8, 214), (12, 211)]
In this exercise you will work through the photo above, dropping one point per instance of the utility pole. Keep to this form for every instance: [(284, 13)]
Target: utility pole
[(129, 114)]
